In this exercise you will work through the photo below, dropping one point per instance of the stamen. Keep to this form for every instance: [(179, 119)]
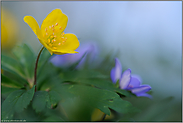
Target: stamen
[(60, 27), (56, 24), (46, 29), (62, 34), (52, 26), (59, 43), (46, 33), (54, 48), (53, 40)]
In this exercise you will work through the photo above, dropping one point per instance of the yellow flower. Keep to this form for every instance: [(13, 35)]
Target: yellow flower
[(9, 30), (51, 33)]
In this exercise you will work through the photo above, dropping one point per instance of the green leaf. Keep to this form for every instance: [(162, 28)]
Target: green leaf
[(8, 82), (43, 99), (46, 77), (53, 119), (24, 100), (97, 98), (94, 79), (121, 106), (26, 57), (16, 102), (54, 97), (5, 90), (53, 115), (39, 101), (15, 77), (9, 104), (12, 66), (43, 60)]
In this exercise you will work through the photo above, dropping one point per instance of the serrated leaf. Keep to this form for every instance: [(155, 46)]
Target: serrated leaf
[(99, 83), (9, 104), (24, 100), (120, 105), (40, 100), (93, 78), (97, 98), (43, 99), (8, 82), (26, 57), (16, 101), (54, 97)]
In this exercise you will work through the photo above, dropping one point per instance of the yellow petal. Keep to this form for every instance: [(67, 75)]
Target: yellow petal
[(69, 46), (46, 46), (53, 18), (64, 52), (33, 24)]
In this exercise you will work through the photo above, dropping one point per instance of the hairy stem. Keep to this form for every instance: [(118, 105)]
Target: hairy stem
[(35, 70)]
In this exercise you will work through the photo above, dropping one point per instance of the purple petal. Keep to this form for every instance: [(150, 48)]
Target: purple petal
[(116, 71), (91, 54), (141, 89), (64, 60), (134, 83), (113, 75), (68, 59), (125, 79), (137, 76), (144, 95)]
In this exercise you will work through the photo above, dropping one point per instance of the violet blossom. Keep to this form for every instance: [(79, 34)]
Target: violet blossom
[(66, 60), (129, 82)]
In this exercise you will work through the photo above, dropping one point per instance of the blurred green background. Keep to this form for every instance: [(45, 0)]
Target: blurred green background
[(146, 36)]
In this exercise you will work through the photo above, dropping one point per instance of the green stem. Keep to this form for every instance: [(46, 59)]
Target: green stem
[(104, 117), (35, 70)]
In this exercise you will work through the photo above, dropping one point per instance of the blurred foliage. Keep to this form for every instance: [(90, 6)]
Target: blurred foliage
[(69, 94)]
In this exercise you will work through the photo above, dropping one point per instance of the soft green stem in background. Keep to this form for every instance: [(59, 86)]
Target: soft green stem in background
[(35, 70)]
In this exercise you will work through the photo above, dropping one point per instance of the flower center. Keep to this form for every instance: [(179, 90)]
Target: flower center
[(55, 36)]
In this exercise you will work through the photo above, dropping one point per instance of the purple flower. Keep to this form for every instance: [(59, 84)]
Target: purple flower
[(128, 81), (66, 60)]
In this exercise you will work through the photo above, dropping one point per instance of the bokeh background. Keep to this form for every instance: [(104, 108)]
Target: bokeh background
[(146, 35)]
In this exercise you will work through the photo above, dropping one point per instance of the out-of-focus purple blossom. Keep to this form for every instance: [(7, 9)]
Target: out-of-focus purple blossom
[(66, 60), (128, 81)]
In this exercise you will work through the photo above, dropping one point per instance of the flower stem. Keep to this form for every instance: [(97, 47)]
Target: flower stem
[(35, 70), (104, 117)]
